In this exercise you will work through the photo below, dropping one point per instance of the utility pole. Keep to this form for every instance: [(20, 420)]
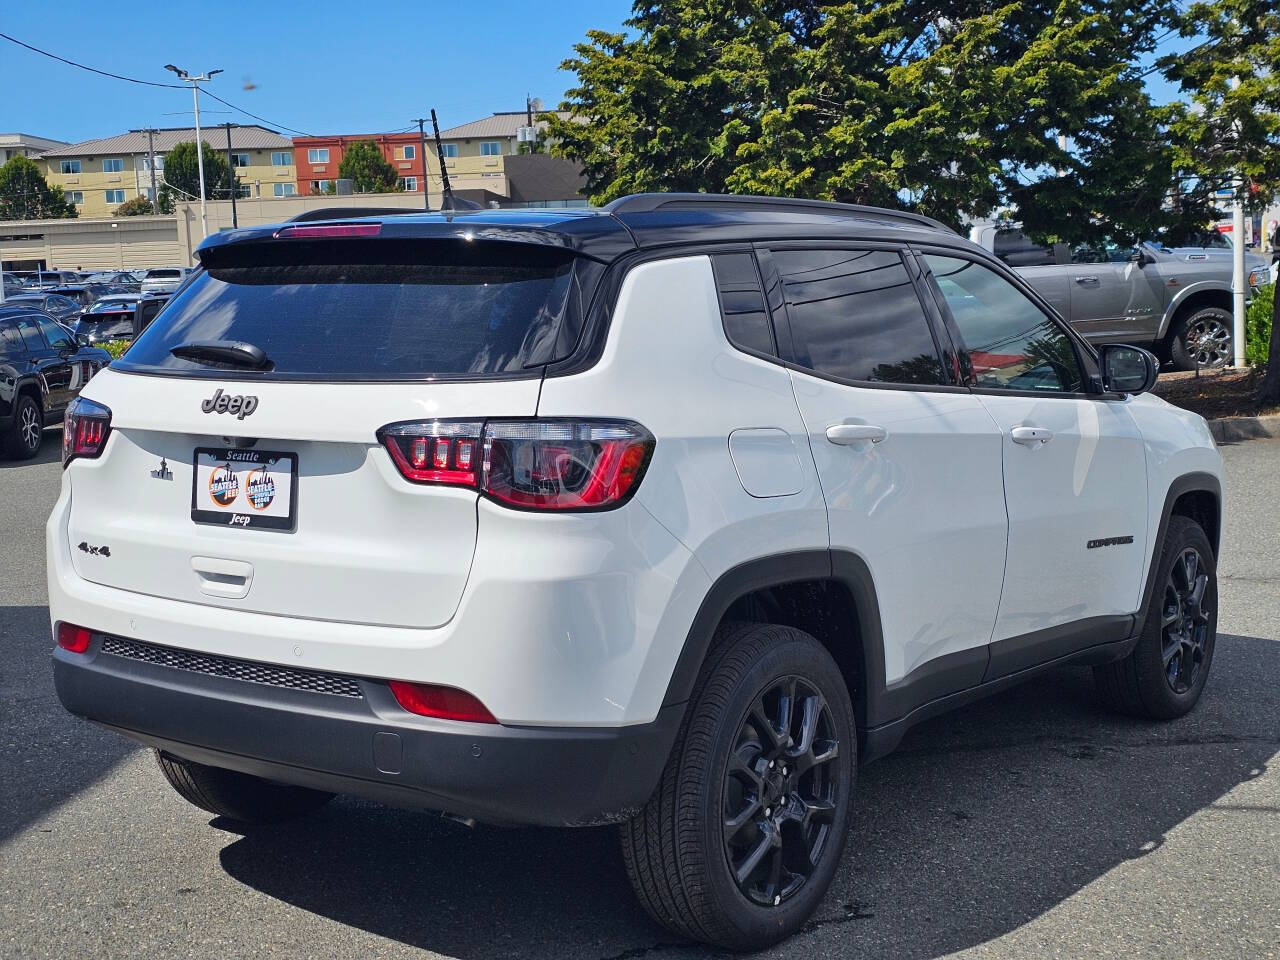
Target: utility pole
[(195, 98), (232, 172), (1239, 284), (422, 148), (151, 162)]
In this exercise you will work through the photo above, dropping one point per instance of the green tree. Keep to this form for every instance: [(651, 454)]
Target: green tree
[(182, 175), (139, 206), (949, 111), (1229, 127), (26, 195), (367, 169)]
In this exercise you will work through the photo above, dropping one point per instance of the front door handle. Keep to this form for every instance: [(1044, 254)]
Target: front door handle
[(848, 433), (1031, 436), (1086, 279)]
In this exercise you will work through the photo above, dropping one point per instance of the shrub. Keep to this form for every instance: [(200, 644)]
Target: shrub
[(139, 206), (1257, 326), (116, 348)]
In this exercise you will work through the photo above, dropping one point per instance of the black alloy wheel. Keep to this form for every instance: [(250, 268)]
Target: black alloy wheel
[(1185, 621), (779, 794)]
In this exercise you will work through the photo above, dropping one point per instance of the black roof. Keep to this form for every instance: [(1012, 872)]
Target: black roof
[(641, 221)]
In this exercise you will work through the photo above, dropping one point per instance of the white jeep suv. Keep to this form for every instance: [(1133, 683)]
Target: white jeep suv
[(665, 514)]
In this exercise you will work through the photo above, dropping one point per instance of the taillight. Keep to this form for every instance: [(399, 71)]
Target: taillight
[(329, 230), (73, 638), (446, 703), (84, 429), (529, 464)]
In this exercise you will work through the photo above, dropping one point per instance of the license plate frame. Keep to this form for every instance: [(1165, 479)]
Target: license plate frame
[(239, 511)]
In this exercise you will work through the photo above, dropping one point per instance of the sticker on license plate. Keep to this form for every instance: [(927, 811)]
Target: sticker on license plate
[(235, 487)]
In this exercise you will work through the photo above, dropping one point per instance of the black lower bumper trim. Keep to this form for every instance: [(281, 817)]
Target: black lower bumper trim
[(370, 747)]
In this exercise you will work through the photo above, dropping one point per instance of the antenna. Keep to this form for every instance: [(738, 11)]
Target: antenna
[(446, 202)]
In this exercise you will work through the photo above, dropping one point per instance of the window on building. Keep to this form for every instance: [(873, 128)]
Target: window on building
[(491, 148), (283, 189), (450, 150), (1011, 343), (243, 191), (149, 194), (77, 197), (239, 160), (281, 158), (746, 322), (70, 166), (112, 165), (407, 152), (855, 315), (320, 186), (409, 184), (159, 161), (318, 155), (115, 196)]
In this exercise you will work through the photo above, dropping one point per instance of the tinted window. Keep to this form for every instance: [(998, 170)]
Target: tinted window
[(854, 314), (10, 341), (30, 334), (1015, 249), (746, 322), (378, 309), (55, 336), (1012, 344)]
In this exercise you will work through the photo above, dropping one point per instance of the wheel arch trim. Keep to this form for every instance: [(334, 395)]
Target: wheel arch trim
[(1197, 482)]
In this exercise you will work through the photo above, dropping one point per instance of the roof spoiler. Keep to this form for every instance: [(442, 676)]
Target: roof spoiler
[(459, 204)]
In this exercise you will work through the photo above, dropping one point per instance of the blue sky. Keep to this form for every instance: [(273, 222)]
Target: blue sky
[(319, 67)]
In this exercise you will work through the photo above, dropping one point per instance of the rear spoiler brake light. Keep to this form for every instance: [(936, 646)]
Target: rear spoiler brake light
[(307, 230)]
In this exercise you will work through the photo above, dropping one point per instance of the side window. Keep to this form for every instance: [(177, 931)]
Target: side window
[(55, 336), (30, 334), (746, 321), (1016, 249), (854, 314), (1012, 344), (10, 341)]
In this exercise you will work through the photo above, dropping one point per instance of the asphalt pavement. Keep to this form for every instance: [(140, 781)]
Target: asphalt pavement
[(1033, 824)]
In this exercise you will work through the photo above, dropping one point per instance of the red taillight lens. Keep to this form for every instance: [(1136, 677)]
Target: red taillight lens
[(436, 452), (446, 703), (564, 465), (531, 464), (84, 429), (73, 638)]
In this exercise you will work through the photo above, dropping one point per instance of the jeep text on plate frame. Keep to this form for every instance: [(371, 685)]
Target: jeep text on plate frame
[(237, 487)]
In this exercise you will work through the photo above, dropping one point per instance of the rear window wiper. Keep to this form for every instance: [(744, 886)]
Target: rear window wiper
[(235, 353)]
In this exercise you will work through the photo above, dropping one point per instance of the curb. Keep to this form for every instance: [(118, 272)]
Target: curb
[(1238, 429)]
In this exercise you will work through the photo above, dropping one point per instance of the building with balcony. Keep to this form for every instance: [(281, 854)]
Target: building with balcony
[(99, 175)]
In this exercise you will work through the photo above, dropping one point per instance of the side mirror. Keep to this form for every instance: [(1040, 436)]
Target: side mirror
[(1127, 369)]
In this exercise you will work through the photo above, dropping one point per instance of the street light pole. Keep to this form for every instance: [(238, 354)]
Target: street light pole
[(195, 99)]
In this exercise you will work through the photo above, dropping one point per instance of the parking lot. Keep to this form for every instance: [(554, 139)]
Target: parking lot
[(1032, 824)]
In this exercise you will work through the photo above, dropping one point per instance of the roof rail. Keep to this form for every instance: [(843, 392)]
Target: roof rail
[(651, 202)]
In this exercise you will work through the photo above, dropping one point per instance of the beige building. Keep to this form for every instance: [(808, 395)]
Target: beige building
[(99, 175), (25, 145)]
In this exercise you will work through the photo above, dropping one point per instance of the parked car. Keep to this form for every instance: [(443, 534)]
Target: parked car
[(163, 280), (45, 279), (84, 293), (110, 318), (666, 514), (61, 308), (41, 371), (1175, 302), (121, 280)]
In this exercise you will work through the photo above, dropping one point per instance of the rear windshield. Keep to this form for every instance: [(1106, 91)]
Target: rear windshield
[(163, 274), (376, 309)]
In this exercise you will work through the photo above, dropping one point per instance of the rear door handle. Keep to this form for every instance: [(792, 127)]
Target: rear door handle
[(1086, 279), (1031, 436), (848, 433)]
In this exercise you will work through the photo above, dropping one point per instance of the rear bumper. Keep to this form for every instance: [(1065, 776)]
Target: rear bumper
[(368, 746)]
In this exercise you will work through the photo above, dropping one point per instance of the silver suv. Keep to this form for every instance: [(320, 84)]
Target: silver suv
[(1176, 301)]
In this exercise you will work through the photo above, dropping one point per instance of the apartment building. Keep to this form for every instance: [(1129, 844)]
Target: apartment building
[(474, 155), (25, 145), (99, 175)]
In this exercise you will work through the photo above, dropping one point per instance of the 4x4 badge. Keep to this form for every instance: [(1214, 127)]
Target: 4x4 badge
[(239, 406), (162, 472)]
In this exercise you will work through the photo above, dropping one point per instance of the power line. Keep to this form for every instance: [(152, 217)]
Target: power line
[(147, 83)]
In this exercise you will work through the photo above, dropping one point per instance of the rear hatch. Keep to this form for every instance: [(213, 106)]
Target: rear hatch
[(268, 490)]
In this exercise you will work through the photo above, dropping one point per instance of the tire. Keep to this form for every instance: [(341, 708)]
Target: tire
[(1203, 334), (676, 853), (22, 442), (238, 796), (1163, 676)]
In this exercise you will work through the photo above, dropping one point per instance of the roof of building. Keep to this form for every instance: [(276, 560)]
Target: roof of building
[(503, 124), (250, 137), (28, 140)]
